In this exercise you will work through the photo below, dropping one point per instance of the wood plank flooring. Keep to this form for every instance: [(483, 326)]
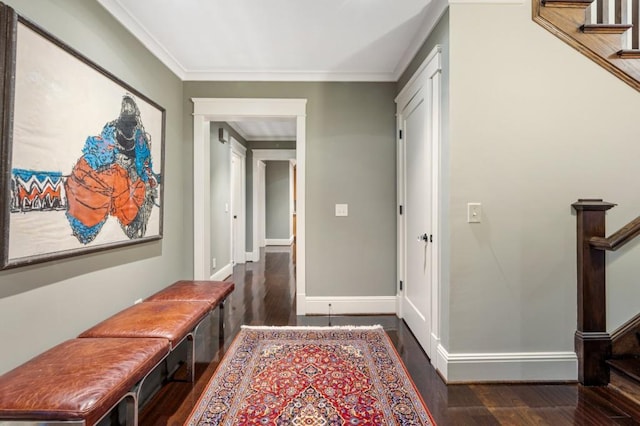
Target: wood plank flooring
[(265, 295)]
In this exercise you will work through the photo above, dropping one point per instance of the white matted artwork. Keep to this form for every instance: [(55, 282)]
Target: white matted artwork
[(82, 153)]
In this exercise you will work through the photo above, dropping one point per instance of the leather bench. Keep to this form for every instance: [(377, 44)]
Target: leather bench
[(170, 320), (80, 381), (213, 292)]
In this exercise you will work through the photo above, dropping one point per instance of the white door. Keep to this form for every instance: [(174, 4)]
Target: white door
[(416, 296), (237, 210), (419, 108), (262, 204)]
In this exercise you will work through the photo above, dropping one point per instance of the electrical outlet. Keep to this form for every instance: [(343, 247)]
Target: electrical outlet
[(213, 263)]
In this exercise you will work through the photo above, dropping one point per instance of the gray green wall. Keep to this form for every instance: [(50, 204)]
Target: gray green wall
[(277, 213), (350, 159), (528, 138), (44, 304)]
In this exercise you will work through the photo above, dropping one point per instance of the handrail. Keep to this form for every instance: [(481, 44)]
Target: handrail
[(618, 238), (592, 342)]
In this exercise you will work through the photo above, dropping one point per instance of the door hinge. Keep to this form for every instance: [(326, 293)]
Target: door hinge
[(400, 285), (400, 208), (400, 133)]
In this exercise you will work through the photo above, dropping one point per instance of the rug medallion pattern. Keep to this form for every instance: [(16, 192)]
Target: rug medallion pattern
[(311, 377)]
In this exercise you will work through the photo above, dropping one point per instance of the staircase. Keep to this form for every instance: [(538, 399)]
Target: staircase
[(606, 31), (624, 363), (603, 359)]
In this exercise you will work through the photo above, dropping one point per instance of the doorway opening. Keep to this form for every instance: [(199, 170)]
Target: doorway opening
[(207, 110)]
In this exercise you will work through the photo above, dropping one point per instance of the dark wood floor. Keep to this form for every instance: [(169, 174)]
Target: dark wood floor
[(264, 295)]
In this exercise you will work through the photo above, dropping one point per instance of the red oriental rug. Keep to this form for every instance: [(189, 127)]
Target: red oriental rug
[(311, 376)]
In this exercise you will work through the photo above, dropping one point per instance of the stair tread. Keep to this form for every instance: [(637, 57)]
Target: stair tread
[(629, 53), (605, 28), (567, 3), (628, 366)]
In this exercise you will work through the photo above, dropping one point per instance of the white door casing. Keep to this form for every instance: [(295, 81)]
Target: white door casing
[(261, 211), (418, 112), (259, 190), (205, 111), (238, 195)]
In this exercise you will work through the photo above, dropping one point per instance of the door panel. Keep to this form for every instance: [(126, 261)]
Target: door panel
[(416, 298), (237, 210)]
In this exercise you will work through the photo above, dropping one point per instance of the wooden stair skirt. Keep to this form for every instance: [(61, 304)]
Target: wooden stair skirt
[(606, 31), (624, 376), (624, 365)]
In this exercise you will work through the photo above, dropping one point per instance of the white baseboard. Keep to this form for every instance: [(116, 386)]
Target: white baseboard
[(252, 256), (279, 241), (350, 305), (222, 273), (300, 304), (510, 367)]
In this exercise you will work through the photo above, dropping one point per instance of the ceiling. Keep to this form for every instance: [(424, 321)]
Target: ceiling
[(280, 40), (272, 129)]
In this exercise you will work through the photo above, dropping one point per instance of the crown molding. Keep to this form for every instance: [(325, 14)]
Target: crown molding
[(436, 9), (241, 75), (122, 15)]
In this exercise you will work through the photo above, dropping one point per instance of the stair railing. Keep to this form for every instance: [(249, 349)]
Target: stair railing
[(605, 31), (615, 17), (592, 342)]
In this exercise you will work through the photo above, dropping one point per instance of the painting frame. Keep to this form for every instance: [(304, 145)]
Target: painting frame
[(112, 194)]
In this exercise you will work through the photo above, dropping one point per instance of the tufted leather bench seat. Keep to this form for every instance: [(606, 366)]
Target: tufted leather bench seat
[(213, 292), (171, 320), (80, 381)]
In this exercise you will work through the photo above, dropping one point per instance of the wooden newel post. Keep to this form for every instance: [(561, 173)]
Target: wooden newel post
[(592, 342)]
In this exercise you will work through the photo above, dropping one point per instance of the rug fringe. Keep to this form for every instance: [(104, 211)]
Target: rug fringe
[(312, 327)]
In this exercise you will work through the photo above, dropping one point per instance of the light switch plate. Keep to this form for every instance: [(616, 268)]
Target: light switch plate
[(342, 209), (474, 212)]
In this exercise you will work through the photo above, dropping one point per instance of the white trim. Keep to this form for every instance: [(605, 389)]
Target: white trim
[(250, 256), (436, 8), (350, 305), (237, 147), (230, 109), (273, 154), (507, 366), (201, 197), (260, 205), (261, 155), (234, 109), (260, 75), (409, 89), (427, 79), (115, 8), (223, 273), (291, 203), (279, 241), (240, 153)]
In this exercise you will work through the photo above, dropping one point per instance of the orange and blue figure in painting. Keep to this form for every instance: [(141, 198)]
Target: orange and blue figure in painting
[(113, 177)]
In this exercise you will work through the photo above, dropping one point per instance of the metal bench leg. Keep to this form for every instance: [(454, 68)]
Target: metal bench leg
[(221, 324), (191, 359)]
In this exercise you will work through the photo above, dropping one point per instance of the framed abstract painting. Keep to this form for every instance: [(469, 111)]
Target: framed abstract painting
[(82, 152)]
